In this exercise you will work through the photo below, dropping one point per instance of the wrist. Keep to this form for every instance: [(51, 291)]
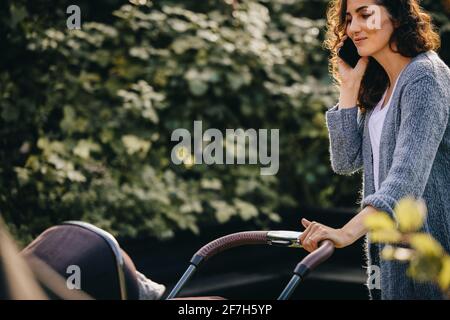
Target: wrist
[(346, 105), (348, 100), (355, 228), (348, 236)]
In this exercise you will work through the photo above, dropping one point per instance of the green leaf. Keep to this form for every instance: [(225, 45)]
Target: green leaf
[(84, 148), (245, 209), (134, 144), (223, 210)]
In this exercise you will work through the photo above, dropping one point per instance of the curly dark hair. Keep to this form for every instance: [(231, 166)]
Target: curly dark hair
[(413, 34)]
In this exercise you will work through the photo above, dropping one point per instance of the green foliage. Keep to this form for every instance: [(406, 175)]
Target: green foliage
[(86, 115), (427, 259)]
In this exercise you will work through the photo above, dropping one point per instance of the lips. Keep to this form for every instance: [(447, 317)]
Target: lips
[(359, 40)]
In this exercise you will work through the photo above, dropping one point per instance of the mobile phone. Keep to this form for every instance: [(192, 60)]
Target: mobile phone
[(349, 53)]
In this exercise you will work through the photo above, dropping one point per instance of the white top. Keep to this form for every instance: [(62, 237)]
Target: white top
[(376, 122)]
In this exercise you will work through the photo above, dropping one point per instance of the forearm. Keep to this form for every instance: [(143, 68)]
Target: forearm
[(355, 228), (348, 97), (345, 133)]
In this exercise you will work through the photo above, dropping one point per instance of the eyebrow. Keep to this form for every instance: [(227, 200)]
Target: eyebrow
[(357, 10)]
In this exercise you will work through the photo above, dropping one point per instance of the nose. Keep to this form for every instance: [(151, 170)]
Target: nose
[(353, 28)]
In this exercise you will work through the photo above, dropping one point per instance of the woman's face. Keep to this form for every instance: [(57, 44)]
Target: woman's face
[(371, 22)]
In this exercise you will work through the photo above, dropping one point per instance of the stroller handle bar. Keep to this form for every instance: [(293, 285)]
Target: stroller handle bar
[(311, 261), (276, 238), (322, 253)]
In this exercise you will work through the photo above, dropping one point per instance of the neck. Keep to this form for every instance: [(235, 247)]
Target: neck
[(393, 63)]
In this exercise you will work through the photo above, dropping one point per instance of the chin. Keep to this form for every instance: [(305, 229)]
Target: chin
[(364, 52)]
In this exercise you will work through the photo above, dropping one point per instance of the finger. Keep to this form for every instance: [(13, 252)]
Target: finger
[(362, 63), (309, 242), (342, 64), (361, 67), (305, 222), (306, 233), (315, 239), (305, 244), (343, 40), (316, 229), (308, 248)]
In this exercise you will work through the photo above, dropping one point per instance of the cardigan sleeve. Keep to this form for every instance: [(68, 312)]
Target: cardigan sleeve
[(424, 120), (345, 127)]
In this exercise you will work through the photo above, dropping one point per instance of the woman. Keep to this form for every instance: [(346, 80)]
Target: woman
[(392, 120)]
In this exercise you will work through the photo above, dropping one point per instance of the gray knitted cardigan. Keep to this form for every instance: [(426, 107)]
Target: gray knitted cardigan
[(414, 160)]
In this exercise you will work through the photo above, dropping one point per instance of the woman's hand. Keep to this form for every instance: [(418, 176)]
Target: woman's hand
[(316, 233), (352, 231), (350, 79)]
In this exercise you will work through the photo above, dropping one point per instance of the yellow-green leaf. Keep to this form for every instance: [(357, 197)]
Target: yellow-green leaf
[(182, 153), (379, 221), (410, 214), (426, 244), (388, 253), (444, 275), (189, 161), (385, 236), (424, 268)]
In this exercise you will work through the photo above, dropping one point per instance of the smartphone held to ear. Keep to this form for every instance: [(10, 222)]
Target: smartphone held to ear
[(349, 53)]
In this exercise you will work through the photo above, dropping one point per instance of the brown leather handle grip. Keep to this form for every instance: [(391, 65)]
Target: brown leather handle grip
[(231, 241), (322, 253)]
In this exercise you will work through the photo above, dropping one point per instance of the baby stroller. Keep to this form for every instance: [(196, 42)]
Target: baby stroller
[(109, 273), (106, 271)]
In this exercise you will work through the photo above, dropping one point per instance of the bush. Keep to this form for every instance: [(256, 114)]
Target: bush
[(87, 115)]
